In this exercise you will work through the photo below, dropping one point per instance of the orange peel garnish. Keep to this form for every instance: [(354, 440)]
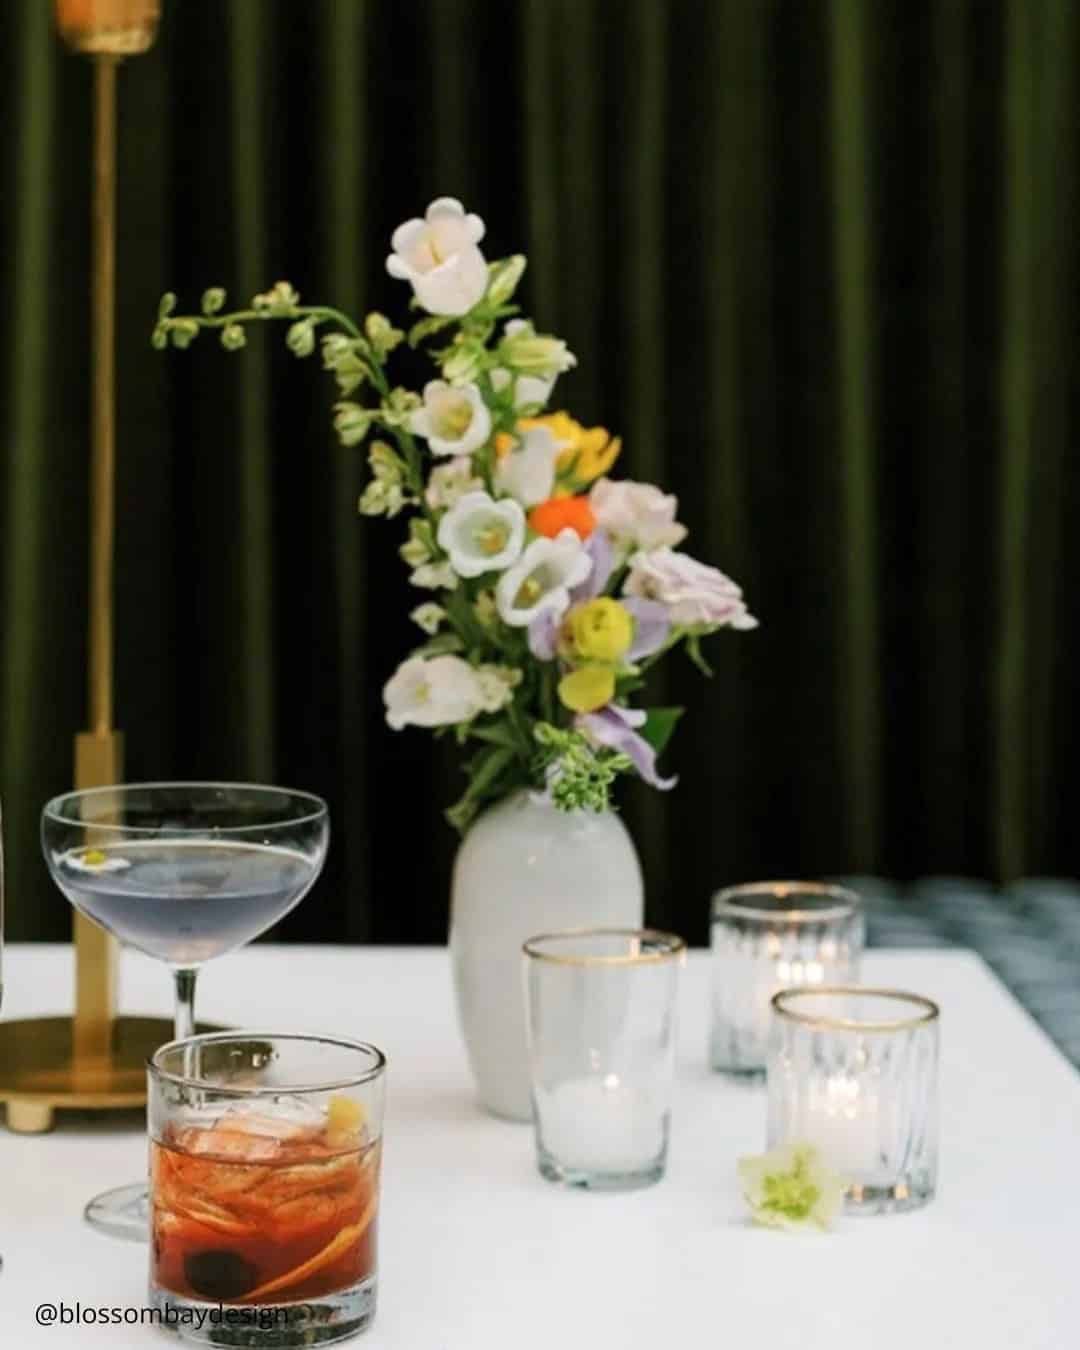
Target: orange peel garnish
[(341, 1242), (345, 1119)]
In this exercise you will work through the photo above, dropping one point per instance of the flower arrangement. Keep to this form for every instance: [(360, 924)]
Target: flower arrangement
[(553, 587)]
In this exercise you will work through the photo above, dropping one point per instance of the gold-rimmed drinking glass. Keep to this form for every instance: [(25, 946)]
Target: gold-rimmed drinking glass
[(768, 936), (601, 1010), (854, 1072)]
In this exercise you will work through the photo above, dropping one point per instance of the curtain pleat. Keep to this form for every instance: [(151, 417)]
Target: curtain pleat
[(816, 262), (640, 279), (344, 77), (1054, 151), (251, 40), (856, 612), (24, 653), (1017, 394), (538, 140), (948, 778)]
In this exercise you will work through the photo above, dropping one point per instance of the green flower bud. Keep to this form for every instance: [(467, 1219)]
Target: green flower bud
[(233, 337), (505, 276), (343, 356), (159, 338), (352, 422), (281, 299), (420, 546), (213, 300), (533, 354), (465, 360), (300, 339), (183, 332), (385, 464), (399, 406), (166, 304), (382, 335), (375, 499)]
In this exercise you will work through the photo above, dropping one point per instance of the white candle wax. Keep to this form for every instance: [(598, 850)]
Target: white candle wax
[(844, 1119), (600, 1125)]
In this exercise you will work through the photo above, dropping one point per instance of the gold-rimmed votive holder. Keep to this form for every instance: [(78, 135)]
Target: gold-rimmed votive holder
[(854, 1072), (773, 935), (601, 1010)]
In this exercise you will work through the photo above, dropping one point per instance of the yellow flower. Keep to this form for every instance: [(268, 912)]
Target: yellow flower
[(601, 630), (588, 688), (585, 453)]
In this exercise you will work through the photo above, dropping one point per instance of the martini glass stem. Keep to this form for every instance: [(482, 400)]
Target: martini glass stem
[(185, 1003)]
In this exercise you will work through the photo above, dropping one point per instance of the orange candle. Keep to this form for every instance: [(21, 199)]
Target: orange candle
[(113, 27)]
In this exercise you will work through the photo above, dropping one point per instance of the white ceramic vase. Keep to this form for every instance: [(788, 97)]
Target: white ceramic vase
[(526, 868)]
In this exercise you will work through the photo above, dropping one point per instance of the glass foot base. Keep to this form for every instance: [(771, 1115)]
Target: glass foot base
[(322, 1321), (588, 1179), (897, 1198), (123, 1212)]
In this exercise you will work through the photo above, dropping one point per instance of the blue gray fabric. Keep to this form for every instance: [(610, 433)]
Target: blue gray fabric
[(1028, 933)]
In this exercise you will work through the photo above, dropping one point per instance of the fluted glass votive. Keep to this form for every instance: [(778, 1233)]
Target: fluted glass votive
[(854, 1072), (768, 936), (600, 1010)]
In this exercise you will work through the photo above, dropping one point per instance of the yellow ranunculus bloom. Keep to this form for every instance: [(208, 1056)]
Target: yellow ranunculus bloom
[(585, 453), (587, 689), (601, 630)]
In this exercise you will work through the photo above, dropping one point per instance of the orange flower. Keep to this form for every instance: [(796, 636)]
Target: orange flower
[(560, 513)]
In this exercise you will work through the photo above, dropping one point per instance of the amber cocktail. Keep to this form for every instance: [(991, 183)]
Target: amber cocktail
[(264, 1187)]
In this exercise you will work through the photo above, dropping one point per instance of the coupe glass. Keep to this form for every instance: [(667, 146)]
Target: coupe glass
[(183, 872)]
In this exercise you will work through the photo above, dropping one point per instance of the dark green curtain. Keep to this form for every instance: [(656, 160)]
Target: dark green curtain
[(817, 260)]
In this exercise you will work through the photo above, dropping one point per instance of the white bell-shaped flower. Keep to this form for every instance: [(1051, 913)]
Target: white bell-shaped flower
[(527, 471), (481, 535), (438, 692), (542, 579), (439, 258), (454, 419)]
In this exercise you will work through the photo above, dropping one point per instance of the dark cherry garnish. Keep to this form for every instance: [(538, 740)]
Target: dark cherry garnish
[(219, 1274)]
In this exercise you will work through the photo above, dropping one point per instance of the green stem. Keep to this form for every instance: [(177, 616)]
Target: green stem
[(318, 312), (673, 639)]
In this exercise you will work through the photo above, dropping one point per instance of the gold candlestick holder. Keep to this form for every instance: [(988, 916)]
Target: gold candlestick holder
[(96, 1059)]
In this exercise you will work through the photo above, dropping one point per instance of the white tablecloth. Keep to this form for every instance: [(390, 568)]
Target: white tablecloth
[(479, 1253)]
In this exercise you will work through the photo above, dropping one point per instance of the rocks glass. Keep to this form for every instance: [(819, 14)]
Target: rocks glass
[(264, 1187), (769, 936), (855, 1073), (600, 1010)]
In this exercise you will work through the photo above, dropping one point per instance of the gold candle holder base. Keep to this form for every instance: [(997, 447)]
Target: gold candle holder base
[(40, 1075)]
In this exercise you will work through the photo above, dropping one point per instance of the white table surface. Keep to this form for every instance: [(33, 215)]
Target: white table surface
[(477, 1252)]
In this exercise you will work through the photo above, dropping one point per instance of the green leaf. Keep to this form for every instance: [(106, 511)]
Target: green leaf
[(434, 323), (484, 771), (439, 645), (659, 726), (496, 733)]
